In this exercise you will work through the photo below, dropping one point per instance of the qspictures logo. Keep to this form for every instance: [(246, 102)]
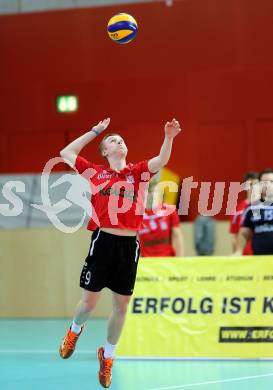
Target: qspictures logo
[(81, 188), (245, 334)]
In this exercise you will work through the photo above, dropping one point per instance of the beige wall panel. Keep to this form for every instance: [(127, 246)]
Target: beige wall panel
[(40, 273), (40, 270)]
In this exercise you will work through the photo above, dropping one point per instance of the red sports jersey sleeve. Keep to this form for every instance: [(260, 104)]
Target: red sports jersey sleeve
[(86, 168), (175, 221), (143, 170), (236, 219), (235, 225), (81, 164)]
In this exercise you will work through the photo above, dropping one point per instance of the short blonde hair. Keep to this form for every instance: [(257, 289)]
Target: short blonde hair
[(101, 145)]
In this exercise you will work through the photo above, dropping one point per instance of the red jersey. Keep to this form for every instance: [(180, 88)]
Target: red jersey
[(235, 224), (117, 200), (156, 236)]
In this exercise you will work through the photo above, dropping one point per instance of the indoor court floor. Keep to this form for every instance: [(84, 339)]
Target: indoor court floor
[(29, 360)]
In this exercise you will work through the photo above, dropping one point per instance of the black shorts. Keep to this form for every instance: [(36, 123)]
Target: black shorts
[(111, 262)]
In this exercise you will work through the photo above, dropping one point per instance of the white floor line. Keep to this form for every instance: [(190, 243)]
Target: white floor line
[(212, 382), (40, 351)]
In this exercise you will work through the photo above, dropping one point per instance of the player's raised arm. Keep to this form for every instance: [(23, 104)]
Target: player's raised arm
[(71, 151), (171, 130)]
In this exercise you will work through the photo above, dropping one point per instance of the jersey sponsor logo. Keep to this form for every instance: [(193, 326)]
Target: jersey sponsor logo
[(130, 194), (158, 241), (106, 175), (263, 228)]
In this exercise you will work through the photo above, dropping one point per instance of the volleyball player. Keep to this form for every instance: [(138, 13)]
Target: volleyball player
[(161, 235), (114, 250), (250, 179), (257, 222)]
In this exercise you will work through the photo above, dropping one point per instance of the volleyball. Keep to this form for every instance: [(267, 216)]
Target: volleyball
[(122, 28)]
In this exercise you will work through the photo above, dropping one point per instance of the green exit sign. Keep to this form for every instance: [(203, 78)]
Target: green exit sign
[(69, 103)]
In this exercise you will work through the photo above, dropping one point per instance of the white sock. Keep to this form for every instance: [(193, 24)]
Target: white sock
[(109, 350), (75, 327)]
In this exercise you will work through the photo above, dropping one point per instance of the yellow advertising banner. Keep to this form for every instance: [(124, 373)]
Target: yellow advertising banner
[(201, 307)]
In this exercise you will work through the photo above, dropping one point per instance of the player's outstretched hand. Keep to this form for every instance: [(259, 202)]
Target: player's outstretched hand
[(102, 125), (172, 128)]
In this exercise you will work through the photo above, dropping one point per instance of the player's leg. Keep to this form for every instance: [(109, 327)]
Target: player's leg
[(115, 325), (84, 308), (82, 312), (121, 280), (92, 281), (116, 320)]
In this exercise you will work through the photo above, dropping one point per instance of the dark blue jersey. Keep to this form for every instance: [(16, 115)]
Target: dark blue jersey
[(259, 218)]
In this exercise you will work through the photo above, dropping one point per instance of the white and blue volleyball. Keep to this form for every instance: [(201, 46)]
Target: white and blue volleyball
[(122, 28)]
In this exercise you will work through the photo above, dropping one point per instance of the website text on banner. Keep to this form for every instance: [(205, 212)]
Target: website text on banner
[(215, 307)]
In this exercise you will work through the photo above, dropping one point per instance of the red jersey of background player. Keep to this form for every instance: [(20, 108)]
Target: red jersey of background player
[(156, 236), (236, 224)]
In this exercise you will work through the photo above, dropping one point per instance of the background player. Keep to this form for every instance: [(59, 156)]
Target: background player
[(250, 179), (161, 234), (257, 222)]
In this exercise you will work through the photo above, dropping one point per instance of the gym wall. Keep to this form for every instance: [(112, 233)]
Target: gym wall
[(41, 270), (208, 63)]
